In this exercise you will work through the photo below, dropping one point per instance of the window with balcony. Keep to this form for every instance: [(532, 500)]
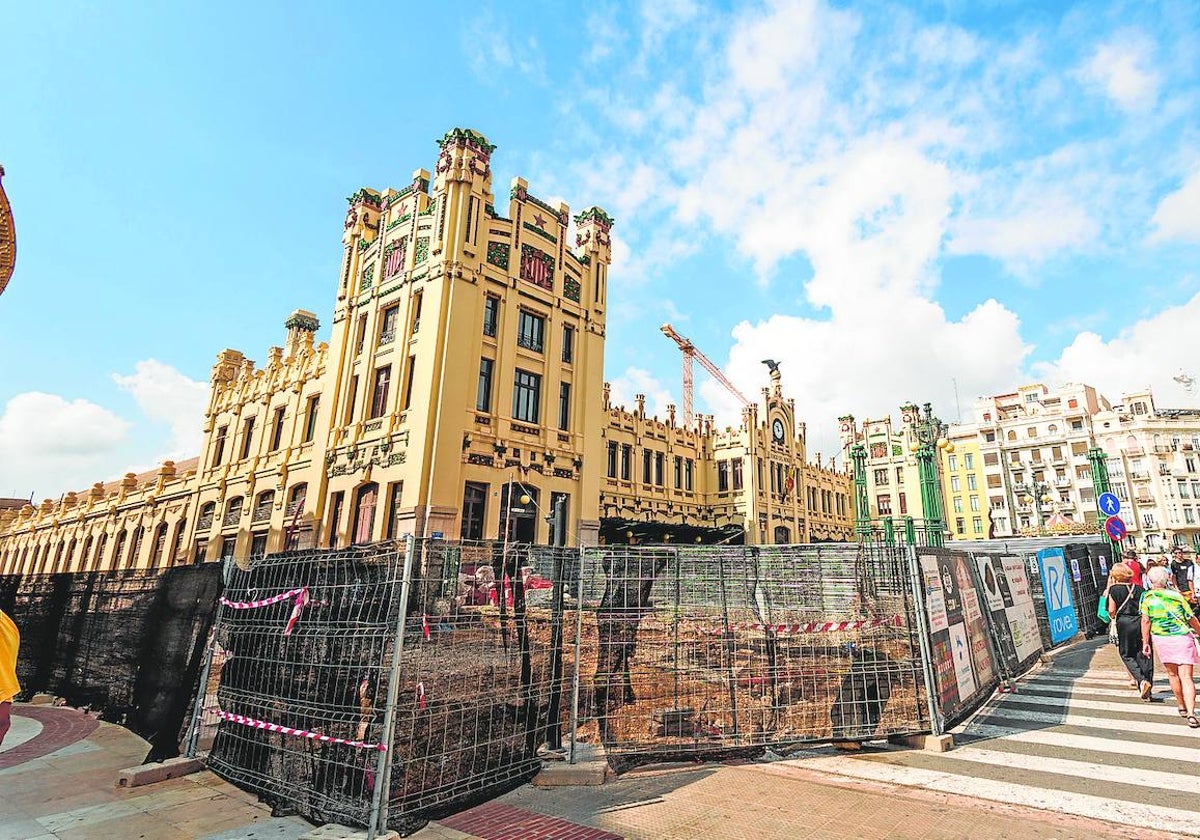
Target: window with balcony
[(530, 331), (387, 331), (483, 389), (262, 506), (491, 315), (233, 512), (527, 396)]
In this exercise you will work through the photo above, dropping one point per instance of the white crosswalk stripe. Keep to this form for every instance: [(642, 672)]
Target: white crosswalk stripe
[(1059, 743)]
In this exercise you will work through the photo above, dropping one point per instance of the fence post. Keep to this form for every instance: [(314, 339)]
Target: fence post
[(554, 711), (578, 651), (727, 636), (383, 770), (920, 616)]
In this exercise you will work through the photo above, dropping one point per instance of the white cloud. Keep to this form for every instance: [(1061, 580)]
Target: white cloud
[(1178, 214), (167, 396), (1122, 67), (634, 381), (49, 444), (1027, 234), (1150, 353)]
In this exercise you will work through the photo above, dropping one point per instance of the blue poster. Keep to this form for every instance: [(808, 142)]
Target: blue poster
[(1056, 584)]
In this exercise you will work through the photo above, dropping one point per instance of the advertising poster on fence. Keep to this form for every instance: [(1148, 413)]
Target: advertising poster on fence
[(1060, 603), (1010, 602), (962, 661)]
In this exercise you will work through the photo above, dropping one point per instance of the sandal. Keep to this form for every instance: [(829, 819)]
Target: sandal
[(1192, 722), (1182, 712)]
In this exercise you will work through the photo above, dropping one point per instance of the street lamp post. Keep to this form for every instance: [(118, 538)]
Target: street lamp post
[(862, 513), (929, 436), (1038, 494), (1101, 484)]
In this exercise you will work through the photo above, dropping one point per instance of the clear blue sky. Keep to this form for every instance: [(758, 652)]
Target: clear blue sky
[(889, 199)]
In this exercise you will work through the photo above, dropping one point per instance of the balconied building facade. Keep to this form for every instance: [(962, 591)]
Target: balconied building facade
[(464, 369)]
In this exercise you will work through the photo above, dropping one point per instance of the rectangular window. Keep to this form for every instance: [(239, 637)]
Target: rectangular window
[(899, 475), (393, 520), (885, 504), (530, 331), (416, 312), (954, 483), (352, 403), (335, 516), (659, 460), (974, 503), (247, 436), (474, 508), (723, 476), (952, 462), (483, 391), (689, 469), (991, 459), (958, 525), (737, 473), (408, 385), (678, 472), (277, 429), (903, 505), (969, 461), (310, 419), (383, 378), (527, 396), (568, 348), (470, 216), (491, 315), (228, 547), (977, 524), (958, 504), (1189, 517), (564, 406), (387, 333), (881, 476), (219, 446), (612, 459), (626, 461), (646, 456), (360, 333), (972, 482)]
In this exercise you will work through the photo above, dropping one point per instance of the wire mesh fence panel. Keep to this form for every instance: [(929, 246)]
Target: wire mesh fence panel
[(304, 640), (479, 673), (707, 649)]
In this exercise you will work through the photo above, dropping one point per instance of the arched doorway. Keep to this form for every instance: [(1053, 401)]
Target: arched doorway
[(518, 520), (365, 500)]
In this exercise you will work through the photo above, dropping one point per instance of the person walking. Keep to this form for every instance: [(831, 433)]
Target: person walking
[(1124, 598), (1129, 558), (10, 641), (1183, 570), (1168, 622)]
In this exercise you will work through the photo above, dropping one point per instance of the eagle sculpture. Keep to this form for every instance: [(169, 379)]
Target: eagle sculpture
[(772, 365)]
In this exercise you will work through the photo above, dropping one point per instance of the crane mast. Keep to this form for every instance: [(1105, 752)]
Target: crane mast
[(690, 353)]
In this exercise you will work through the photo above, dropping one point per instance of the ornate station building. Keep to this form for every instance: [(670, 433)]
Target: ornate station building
[(464, 370)]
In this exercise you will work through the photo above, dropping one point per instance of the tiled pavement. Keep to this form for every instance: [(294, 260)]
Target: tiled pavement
[(61, 784)]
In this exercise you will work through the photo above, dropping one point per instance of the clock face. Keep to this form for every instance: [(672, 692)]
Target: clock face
[(777, 430)]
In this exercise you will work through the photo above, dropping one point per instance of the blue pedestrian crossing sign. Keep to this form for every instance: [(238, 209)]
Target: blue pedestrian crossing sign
[(1110, 505), (1114, 526)]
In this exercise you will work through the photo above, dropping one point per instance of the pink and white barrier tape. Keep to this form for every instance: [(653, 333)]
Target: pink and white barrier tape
[(300, 597), (823, 626), (299, 733)]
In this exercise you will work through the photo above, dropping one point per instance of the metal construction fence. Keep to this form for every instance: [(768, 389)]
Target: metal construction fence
[(388, 684), (127, 644)]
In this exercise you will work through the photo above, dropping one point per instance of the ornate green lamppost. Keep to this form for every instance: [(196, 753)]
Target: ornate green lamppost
[(929, 436), (1098, 458), (862, 511), (1037, 494)]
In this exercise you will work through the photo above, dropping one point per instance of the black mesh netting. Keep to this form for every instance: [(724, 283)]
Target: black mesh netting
[(128, 644)]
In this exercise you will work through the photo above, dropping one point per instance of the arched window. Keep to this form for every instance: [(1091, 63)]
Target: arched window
[(1012, 435), (135, 546), (85, 556), (207, 512), (37, 556), (262, 506), (1052, 429), (233, 512), (119, 549), (177, 543), (160, 544), (98, 560), (364, 513), (23, 569), (296, 499), (58, 556)]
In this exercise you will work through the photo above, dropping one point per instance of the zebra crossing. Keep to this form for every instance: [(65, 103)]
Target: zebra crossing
[(1074, 738)]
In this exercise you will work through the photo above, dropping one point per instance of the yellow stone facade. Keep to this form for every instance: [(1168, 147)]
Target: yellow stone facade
[(465, 366)]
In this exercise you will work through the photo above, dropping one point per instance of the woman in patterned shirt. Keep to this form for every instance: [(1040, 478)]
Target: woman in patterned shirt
[(1168, 620)]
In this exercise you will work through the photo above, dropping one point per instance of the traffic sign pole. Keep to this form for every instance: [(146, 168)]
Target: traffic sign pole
[(1100, 483)]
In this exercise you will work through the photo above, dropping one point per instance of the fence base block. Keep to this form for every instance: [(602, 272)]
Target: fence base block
[(590, 768), (42, 700), (333, 831), (932, 743), (148, 774)]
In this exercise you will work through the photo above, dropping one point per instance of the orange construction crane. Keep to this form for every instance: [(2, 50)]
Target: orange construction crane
[(691, 351)]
